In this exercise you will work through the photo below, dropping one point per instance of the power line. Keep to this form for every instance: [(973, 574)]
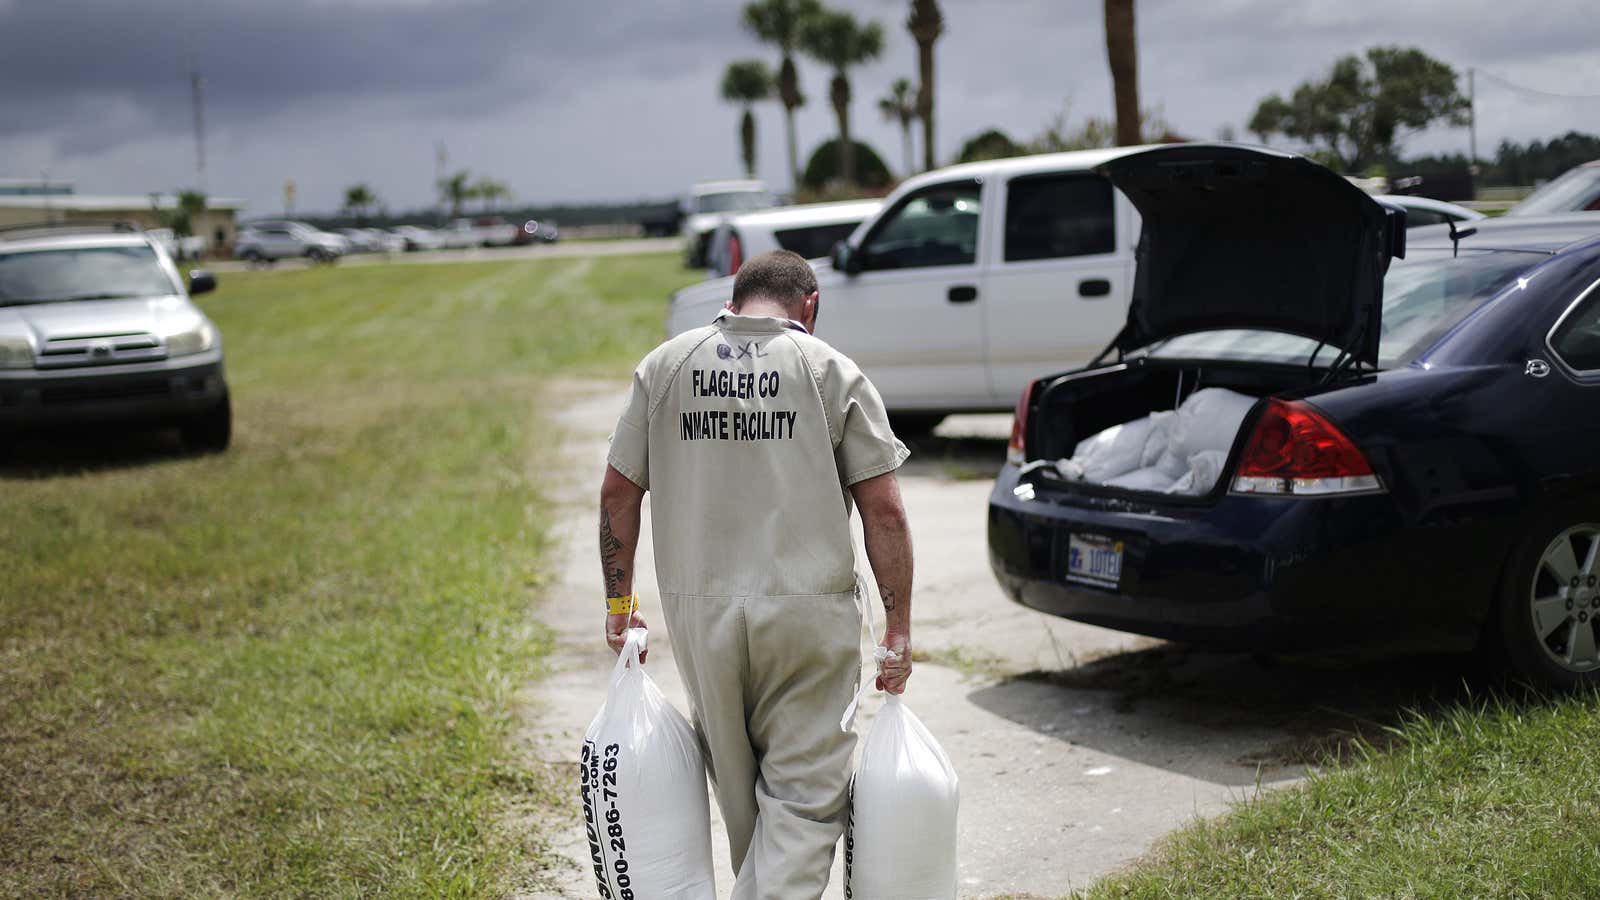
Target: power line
[(1535, 91)]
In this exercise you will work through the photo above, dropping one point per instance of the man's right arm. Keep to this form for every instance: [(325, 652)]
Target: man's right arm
[(888, 539)]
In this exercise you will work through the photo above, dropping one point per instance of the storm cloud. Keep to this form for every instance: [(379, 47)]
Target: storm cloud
[(597, 101)]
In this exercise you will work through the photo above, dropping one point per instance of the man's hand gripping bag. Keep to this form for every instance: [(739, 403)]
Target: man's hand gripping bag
[(900, 843), (644, 792)]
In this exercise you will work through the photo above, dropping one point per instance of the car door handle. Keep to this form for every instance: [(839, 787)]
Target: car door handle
[(963, 293), (1094, 287)]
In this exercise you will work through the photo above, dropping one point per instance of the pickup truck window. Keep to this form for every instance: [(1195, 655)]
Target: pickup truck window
[(936, 226), (1054, 216), (813, 241)]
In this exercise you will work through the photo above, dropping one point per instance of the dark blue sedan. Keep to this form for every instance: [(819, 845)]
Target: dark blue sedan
[(1419, 465)]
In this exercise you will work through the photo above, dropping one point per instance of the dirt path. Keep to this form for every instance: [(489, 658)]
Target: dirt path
[(1077, 747)]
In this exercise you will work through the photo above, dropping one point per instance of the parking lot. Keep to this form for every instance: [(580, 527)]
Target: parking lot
[(1078, 748)]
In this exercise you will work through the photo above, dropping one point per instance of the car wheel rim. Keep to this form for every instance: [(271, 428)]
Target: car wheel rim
[(1565, 599)]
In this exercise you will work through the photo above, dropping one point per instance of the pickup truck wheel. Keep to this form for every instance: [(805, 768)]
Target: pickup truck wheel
[(914, 424), (211, 431), (1548, 611)]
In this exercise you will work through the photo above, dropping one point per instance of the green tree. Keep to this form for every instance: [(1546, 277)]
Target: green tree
[(747, 82), (991, 144), (823, 171), (359, 199), (1122, 54), (456, 189), (836, 39), (900, 105), (778, 22), (190, 205), (489, 192), (1355, 117), (926, 24)]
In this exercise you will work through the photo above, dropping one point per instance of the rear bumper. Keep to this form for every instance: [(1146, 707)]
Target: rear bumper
[(1250, 572), (163, 391)]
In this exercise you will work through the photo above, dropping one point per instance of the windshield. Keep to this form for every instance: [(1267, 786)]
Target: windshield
[(731, 201), (1576, 190), (1424, 295), (88, 273)]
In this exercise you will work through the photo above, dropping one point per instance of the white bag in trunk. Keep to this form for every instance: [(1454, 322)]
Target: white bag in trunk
[(644, 792)]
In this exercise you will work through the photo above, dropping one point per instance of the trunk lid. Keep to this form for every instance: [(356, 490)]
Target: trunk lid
[(1245, 237)]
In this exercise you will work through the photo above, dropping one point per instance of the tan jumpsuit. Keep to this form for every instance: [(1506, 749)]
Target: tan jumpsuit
[(747, 433)]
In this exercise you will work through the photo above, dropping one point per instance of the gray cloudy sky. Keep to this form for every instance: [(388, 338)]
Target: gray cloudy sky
[(613, 101)]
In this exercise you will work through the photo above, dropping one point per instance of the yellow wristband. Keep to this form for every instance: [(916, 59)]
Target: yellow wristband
[(625, 605)]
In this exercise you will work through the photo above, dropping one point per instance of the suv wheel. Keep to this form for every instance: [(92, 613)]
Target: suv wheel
[(317, 255), (1549, 609), (210, 431), (254, 257)]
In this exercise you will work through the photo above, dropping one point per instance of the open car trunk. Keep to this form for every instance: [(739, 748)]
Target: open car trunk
[(1185, 408)]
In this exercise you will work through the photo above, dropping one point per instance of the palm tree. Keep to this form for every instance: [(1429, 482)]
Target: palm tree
[(778, 22), (925, 25), (836, 39), (745, 82), (900, 106), (456, 189), (490, 192), (1121, 53), (358, 199)]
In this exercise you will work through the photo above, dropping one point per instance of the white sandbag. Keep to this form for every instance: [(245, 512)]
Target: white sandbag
[(1209, 419), (1149, 479), (900, 843), (1121, 453), (1161, 427), (1205, 468), (1171, 465), (644, 792)]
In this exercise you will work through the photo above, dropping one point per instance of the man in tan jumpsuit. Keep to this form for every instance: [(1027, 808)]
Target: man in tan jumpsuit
[(754, 436)]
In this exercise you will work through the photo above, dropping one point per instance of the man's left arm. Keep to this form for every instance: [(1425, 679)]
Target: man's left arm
[(620, 503)]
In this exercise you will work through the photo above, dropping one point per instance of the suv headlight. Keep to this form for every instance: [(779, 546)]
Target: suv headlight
[(16, 353), (197, 338)]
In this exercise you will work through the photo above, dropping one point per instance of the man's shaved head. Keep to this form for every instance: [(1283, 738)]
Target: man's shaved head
[(779, 276)]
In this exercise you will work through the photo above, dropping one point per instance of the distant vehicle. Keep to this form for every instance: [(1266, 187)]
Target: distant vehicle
[(460, 234), (1421, 211), (192, 247), (810, 230), (495, 231), (361, 241), (96, 326), (384, 241), (708, 202), (1440, 410), (537, 232), (418, 238), (1576, 190), (269, 240)]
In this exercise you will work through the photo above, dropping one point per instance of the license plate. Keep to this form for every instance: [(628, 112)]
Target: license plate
[(1094, 560)]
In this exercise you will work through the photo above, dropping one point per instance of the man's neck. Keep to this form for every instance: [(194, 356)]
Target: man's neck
[(763, 308)]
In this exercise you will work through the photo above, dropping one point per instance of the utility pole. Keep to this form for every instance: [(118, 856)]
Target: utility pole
[(196, 87), (440, 158), (1472, 122)]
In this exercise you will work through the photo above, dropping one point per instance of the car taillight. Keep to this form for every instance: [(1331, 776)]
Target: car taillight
[(1294, 450), (1017, 448), (735, 254)]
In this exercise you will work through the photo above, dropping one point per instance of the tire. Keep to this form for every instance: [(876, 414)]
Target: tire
[(1547, 615), (254, 257), (914, 425), (212, 430), (317, 255)]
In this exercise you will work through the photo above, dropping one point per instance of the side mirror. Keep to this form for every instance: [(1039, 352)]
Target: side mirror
[(845, 258), (201, 281)]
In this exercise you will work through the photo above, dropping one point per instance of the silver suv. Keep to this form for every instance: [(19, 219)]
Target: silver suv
[(280, 239), (96, 326)]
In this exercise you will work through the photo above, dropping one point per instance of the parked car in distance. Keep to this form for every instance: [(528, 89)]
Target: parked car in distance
[(705, 206), (495, 231), (971, 281), (535, 231), (1575, 190), (269, 240), (415, 237), (96, 327), (1411, 464), (361, 241), (384, 241), (1423, 211), (810, 230), (192, 246)]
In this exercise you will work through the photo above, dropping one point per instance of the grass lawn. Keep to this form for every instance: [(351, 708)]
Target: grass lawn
[(285, 670), (1488, 800)]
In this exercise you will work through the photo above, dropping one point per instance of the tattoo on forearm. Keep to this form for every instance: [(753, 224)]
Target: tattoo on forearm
[(610, 566), (887, 594)]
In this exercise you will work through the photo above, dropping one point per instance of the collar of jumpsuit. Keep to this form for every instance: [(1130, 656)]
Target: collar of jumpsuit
[(728, 320)]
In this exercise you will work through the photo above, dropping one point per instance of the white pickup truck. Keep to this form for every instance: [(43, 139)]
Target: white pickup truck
[(972, 281)]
